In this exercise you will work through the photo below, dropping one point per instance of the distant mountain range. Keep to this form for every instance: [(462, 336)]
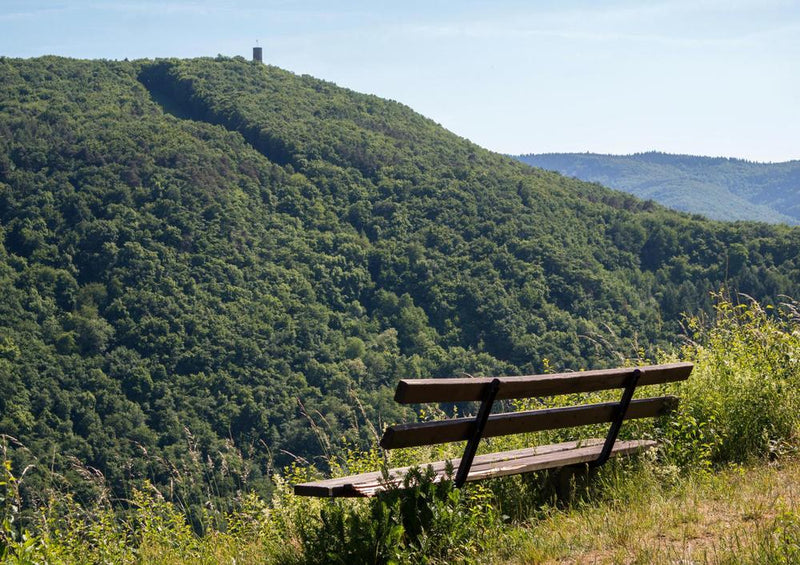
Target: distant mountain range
[(716, 187)]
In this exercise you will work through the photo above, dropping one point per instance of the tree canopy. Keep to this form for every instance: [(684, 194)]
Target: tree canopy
[(209, 267)]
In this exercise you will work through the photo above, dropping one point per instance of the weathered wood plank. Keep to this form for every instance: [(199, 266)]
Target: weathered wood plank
[(484, 466), (341, 486), (459, 429), (417, 391), (536, 462)]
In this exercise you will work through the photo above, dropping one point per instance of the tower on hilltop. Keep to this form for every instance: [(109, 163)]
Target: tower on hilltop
[(257, 55)]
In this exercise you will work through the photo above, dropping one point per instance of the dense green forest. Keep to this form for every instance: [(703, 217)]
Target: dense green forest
[(717, 187), (210, 267)]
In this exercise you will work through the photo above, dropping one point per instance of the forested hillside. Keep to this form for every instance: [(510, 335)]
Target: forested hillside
[(717, 187), (210, 266)]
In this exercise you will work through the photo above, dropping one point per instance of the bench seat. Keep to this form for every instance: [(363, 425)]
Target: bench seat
[(483, 467), (473, 429)]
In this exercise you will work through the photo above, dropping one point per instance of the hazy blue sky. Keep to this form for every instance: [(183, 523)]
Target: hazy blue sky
[(708, 77)]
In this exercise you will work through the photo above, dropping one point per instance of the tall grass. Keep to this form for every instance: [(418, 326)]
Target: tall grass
[(743, 398), (741, 404)]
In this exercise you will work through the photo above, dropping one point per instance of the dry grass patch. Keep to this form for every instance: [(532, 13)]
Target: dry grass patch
[(728, 517)]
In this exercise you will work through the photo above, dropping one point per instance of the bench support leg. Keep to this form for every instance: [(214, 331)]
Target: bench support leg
[(613, 431), (572, 481), (477, 432)]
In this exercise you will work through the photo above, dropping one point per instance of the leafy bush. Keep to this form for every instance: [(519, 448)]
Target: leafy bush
[(743, 398), (424, 522)]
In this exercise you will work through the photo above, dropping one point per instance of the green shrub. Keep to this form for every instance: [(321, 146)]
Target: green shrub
[(743, 398), (424, 522)]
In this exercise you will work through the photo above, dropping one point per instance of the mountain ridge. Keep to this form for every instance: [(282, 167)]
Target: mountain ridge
[(721, 188)]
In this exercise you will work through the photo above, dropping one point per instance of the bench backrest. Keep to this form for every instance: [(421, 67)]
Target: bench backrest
[(419, 391)]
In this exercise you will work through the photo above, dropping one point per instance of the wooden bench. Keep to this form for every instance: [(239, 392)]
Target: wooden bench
[(594, 452)]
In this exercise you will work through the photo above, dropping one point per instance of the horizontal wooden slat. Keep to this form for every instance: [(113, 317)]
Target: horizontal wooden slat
[(340, 486), (416, 391), (484, 466), (535, 462), (458, 429)]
